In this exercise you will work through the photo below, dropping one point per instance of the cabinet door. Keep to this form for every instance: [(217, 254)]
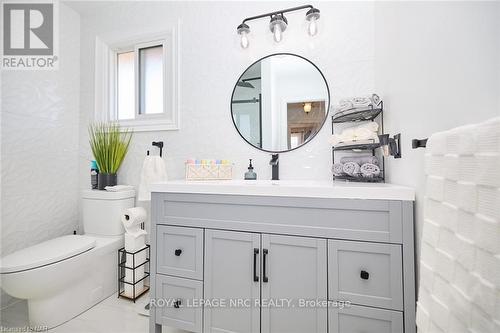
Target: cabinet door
[(293, 269), (232, 274)]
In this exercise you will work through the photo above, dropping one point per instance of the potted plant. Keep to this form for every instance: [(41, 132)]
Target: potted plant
[(109, 145)]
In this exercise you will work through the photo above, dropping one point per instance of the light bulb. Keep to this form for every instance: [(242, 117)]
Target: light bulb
[(277, 33), (244, 40), (312, 16), (313, 27), (243, 30)]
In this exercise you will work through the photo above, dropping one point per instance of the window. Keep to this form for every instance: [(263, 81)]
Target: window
[(140, 81), (125, 86), (137, 86)]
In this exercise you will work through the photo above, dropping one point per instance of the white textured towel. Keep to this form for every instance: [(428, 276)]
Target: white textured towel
[(460, 251), (153, 171)]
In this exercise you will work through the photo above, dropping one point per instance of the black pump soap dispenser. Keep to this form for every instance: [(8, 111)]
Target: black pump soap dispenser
[(250, 175)]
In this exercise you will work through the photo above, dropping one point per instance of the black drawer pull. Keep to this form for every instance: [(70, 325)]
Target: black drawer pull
[(264, 256), (364, 275), (255, 254), (177, 304), (178, 252)]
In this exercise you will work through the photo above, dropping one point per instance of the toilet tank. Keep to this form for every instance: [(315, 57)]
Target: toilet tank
[(102, 211)]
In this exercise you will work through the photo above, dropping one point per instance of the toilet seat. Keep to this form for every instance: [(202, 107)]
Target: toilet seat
[(46, 253)]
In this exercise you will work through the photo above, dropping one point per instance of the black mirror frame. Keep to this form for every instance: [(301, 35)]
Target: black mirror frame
[(322, 124)]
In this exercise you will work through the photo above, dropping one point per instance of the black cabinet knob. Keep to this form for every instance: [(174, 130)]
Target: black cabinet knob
[(178, 252), (364, 275), (177, 304)]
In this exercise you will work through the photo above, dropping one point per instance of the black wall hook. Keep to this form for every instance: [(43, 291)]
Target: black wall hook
[(159, 144)]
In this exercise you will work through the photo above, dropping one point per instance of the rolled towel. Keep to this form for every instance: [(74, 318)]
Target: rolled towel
[(358, 102), (376, 99), (348, 104), (369, 170), (337, 169), (344, 105), (351, 168), (360, 159)]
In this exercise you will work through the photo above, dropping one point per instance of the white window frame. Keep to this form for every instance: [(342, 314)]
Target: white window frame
[(106, 90)]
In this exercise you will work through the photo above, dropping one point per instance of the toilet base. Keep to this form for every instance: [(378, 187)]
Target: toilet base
[(97, 282)]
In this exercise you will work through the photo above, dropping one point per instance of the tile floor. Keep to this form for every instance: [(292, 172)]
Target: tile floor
[(113, 315)]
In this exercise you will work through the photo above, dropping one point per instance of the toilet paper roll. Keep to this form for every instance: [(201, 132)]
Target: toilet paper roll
[(132, 219)]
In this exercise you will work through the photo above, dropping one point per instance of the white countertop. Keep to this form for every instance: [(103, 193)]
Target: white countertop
[(289, 188)]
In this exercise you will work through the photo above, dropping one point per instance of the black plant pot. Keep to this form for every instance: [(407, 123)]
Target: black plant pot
[(106, 179)]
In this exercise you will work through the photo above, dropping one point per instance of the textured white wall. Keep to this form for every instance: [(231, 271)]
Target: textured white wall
[(211, 61), (39, 141), (437, 66)]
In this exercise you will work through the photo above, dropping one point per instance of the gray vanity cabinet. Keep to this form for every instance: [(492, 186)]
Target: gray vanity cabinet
[(239, 265), (250, 251)]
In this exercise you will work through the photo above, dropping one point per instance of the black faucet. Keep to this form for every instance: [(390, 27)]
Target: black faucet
[(275, 165)]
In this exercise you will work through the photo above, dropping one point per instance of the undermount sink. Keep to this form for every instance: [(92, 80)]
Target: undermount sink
[(290, 188)]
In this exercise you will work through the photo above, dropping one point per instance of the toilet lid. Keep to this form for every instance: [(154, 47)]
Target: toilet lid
[(46, 253)]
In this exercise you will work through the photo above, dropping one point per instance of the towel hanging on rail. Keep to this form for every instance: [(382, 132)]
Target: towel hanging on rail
[(460, 250)]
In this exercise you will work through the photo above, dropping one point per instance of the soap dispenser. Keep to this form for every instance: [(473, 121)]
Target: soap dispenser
[(250, 175)]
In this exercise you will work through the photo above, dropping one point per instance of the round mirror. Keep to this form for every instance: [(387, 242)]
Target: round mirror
[(280, 102)]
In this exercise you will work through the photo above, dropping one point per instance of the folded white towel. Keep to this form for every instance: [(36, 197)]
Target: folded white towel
[(335, 139), (119, 188), (366, 131), (153, 171), (366, 134)]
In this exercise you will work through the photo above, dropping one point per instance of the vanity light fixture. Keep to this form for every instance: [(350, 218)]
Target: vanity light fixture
[(279, 23)]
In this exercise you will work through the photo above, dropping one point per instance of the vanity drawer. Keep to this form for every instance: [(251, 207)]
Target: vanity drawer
[(177, 292), (360, 319), (180, 251), (365, 273)]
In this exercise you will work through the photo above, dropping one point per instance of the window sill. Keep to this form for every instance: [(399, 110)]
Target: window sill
[(149, 125)]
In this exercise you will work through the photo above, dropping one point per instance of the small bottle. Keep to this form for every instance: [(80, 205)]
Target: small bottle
[(94, 171), (250, 175)]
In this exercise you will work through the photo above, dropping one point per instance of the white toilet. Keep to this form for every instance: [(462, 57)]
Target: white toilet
[(65, 276)]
